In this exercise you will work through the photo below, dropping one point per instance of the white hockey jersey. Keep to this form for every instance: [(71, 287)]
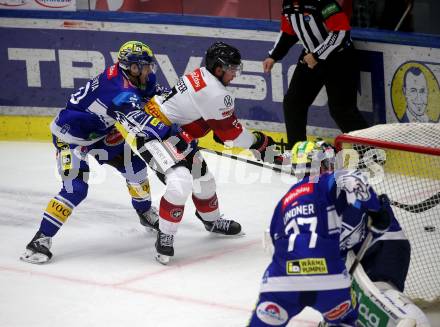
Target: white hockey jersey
[(199, 102)]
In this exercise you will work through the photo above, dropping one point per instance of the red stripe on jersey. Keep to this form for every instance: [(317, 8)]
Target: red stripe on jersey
[(206, 205), (227, 129), (338, 22), (196, 80), (170, 211), (197, 128), (286, 27), (112, 71), (296, 193)]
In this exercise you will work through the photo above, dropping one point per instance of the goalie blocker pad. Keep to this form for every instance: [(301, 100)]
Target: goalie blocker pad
[(385, 307)]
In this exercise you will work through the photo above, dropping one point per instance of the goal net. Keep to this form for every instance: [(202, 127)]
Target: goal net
[(404, 162)]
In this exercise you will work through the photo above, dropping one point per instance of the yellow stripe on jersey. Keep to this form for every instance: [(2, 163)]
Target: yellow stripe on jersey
[(58, 210), (130, 138), (139, 191), (153, 109)]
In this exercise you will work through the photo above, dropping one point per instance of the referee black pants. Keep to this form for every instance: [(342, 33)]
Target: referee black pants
[(340, 76)]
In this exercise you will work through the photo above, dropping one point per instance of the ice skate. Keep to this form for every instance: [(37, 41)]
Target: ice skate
[(37, 251), (164, 247), (221, 226), (149, 219)]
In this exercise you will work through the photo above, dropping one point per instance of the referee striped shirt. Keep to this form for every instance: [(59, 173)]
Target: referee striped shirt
[(321, 26)]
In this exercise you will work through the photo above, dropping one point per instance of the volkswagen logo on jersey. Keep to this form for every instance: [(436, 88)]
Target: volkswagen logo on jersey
[(228, 101)]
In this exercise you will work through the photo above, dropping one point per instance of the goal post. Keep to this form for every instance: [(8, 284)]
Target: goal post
[(404, 162)]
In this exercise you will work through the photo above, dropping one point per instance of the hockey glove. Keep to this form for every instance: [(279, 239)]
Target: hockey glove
[(143, 125), (217, 139), (181, 141), (264, 147), (380, 221)]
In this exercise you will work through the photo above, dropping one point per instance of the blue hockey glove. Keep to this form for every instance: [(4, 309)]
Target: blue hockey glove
[(380, 221)]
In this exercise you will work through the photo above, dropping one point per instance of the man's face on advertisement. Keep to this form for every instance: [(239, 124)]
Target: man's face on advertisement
[(416, 93)]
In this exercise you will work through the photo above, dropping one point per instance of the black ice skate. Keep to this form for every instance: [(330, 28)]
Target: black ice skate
[(37, 251), (164, 247), (149, 219), (221, 226)]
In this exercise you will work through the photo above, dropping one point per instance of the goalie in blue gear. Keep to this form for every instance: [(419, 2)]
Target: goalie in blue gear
[(86, 128), (307, 267), (387, 257)]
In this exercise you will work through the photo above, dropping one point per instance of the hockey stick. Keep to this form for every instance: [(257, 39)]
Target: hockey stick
[(249, 161), (413, 208), (419, 207), (361, 253)]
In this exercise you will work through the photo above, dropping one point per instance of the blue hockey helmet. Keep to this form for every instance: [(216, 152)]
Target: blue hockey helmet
[(135, 52)]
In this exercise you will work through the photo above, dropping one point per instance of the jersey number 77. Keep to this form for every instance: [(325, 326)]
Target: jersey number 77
[(294, 225)]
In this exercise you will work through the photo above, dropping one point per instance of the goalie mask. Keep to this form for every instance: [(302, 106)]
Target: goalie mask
[(225, 56), (312, 158)]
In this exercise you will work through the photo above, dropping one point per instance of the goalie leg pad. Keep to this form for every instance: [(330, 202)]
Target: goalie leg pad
[(388, 261)]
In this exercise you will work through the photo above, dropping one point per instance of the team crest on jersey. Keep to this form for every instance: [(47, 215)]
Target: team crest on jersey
[(339, 311), (113, 138), (196, 80), (271, 313), (356, 186), (295, 193), (112, 71), (176, 213)]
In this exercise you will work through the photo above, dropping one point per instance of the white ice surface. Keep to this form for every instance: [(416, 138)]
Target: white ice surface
[(103, 272)]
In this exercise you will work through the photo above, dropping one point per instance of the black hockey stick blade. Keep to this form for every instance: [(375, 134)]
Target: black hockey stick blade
[(419, 207), (250, 161)]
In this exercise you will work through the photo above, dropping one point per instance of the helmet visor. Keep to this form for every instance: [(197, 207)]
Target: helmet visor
[(150, 65), (235, 69)]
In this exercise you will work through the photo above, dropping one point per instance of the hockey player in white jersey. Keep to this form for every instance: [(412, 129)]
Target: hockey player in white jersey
[(198, 103)]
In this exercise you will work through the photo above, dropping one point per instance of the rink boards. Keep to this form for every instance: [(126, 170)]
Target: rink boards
[(43, 60)]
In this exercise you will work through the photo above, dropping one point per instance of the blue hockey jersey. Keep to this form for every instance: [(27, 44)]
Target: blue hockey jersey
[(110, 97), (355, 229), (305, 231)]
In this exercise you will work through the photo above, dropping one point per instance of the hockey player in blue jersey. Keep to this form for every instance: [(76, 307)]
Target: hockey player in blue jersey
[(86, 128), (307, 267)]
